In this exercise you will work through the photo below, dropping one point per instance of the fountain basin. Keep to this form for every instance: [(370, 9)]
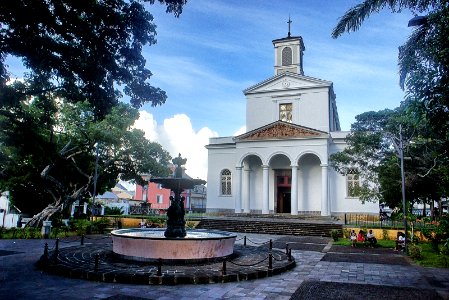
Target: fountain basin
[(149, 244)]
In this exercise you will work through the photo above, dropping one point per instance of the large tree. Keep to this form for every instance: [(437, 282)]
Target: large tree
[(424, 75), (47, 170), (373, 152), (81, 50), (80, 57)]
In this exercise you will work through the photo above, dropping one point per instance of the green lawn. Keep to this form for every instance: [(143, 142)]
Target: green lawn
[(429, 257), (380, 243)]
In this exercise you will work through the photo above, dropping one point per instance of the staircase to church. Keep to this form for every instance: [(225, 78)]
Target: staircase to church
[(287, 226)]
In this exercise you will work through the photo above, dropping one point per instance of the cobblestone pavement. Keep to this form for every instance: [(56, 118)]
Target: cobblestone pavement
[(19, 279)]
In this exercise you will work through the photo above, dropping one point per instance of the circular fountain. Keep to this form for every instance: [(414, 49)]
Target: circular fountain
[(174, 242)]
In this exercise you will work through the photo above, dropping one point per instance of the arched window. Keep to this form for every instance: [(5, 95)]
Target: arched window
[(286, 56), (352, 184), (226, 182)]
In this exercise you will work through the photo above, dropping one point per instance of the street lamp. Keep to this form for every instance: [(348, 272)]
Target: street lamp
[(95, 180), (404, 209)]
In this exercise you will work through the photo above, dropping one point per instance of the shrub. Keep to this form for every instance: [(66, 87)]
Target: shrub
[(346, 233), (415, 251), (335, 233), (116, 211), (80, 226), (33, 232), (100, 224), (385, 234)]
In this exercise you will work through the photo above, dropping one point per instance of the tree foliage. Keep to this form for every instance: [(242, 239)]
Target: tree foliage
[(81, 50), (80, 57), (424, 113), (373, 150), (57, 166)]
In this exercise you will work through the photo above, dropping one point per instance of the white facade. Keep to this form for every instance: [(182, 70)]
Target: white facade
[(280, 165), (9, 214)]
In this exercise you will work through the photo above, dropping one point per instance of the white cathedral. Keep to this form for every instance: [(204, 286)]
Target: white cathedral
[(281, 164)]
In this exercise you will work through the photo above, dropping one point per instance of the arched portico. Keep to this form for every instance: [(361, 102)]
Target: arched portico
[(276, 183)]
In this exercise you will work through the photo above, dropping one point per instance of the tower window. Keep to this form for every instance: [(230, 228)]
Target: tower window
[(285, 112), (286, 56), (226, 182)]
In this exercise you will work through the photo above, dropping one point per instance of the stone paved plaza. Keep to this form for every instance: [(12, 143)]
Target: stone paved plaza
[(322, 271)]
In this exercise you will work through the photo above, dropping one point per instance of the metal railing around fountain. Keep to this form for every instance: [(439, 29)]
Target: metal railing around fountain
[(50, 255)]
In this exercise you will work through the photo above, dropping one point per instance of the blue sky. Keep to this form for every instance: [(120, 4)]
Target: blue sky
[(205, 59)]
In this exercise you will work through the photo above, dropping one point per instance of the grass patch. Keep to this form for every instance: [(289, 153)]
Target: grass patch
[(430, 258), (380, 243)]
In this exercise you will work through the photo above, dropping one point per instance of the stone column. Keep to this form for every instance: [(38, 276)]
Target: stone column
[(246, 206), (238, 190), (324, 191), (265, 190), (294, 191)]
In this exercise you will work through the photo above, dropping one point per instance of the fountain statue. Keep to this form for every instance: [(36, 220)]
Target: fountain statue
[(175, 242), (176, 211)]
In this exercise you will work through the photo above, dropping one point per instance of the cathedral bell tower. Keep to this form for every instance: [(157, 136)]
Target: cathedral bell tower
[(288, 53)]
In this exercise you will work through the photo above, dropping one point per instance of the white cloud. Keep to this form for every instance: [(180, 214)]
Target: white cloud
[(148, 124), (177, 135), (241, 130)]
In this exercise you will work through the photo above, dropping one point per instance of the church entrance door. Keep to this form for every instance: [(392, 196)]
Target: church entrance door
[(283, 203)]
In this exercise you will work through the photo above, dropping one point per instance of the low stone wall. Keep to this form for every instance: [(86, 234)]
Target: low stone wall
[(392, 233)]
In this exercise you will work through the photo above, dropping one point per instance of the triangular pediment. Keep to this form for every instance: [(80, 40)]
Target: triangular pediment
[(280, 130), (287, 81)]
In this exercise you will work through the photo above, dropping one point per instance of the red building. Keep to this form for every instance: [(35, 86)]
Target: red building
[(156, 196)]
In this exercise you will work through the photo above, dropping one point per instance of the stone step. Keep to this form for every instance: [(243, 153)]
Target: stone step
[(269, 227)]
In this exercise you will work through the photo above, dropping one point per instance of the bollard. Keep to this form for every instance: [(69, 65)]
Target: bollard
[(244, 241), (289, 255), (46, 250), (286, 248), (271, 244), (159, 267), (56, 251), (270, 262), (224, 268), (82, 240), (44, 258), (97, 258)]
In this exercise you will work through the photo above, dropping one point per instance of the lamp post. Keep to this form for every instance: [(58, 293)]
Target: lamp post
[(404, 208), (95, 180)]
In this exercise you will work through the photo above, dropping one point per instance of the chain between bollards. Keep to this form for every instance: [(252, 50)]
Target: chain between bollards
[(159, 267)]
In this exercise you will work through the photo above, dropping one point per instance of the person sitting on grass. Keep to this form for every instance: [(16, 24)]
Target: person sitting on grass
[(400, 241), (371, 238), (353, 238), (361, 237)]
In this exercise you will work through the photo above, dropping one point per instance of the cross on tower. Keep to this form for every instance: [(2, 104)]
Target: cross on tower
[(289, 22)]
